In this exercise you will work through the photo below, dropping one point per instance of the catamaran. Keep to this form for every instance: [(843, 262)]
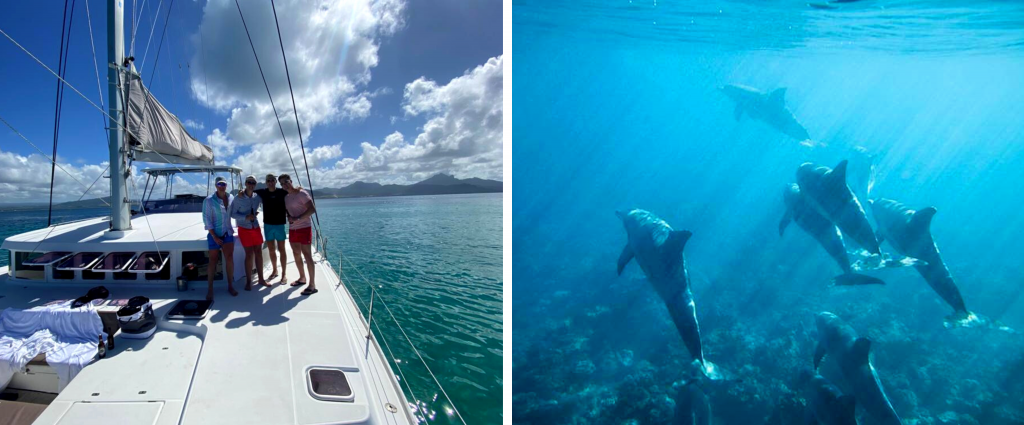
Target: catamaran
[(71, 355)]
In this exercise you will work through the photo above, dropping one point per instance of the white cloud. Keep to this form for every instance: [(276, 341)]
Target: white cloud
[(332, 46), (462, 136), (194, 125)]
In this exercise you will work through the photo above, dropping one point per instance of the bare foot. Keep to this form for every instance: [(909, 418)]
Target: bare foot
[(284, 280), (248, 286), (233, 292), (264, 283)]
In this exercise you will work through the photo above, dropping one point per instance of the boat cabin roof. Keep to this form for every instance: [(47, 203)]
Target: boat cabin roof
[(192, 169)]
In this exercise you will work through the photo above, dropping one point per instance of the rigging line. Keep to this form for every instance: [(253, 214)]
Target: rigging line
[(136, 21), (160, 46), (44, 154), (414, 349), (142, 210), (206, 85), (388, 346), (151, 29), (295, 110), (56, 104), (93, 183), (260, 67), (96, 68), (119, 123)]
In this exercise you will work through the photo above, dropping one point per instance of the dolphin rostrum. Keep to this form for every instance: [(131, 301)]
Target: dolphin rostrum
[(769, 108), (799, 210), (829, 195), (825, 404), (840, 342), (658, 251)]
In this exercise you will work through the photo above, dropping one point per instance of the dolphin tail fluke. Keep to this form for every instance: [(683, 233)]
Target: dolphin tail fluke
[(967, 319), (854, 279), (813, 143)]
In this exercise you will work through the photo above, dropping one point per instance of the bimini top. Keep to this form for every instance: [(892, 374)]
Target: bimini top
[(193, 169)]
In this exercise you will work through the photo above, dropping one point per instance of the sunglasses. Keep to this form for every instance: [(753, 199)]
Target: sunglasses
[(250, 182), (286, 181), (222, 184)]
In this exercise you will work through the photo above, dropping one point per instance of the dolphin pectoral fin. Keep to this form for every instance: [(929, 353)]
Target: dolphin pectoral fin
[(677, 240), (860, 350), (819, 354), (738, 112), (624, 258), (921, 221), (846, 405), (778, 96), (853, 279), (786, 218)]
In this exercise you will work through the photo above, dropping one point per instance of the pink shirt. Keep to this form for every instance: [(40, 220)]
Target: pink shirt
[(295, 203)]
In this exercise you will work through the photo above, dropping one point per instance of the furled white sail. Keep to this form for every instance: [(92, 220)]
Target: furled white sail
[(157, 135)]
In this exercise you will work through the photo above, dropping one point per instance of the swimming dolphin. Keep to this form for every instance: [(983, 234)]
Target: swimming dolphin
[(658, 251), (769, 108), (825, 404), (829, 195), (692, 405), (839, 341), (799, 210)]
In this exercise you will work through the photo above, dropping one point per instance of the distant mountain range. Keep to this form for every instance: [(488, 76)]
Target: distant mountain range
[(440, 184)]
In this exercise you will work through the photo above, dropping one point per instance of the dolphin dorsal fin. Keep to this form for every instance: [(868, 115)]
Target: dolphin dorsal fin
[(860, 350), (777, 96), (922, 219), (677, 240), (847, 405), (838, 175)]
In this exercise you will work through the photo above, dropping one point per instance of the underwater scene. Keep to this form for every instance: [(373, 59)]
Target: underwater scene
[(753, 212)]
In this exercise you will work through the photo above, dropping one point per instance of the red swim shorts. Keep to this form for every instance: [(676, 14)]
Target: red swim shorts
[(250, 237), (303, 236)]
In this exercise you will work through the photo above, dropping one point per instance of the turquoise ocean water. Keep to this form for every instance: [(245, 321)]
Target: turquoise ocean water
[(437, 263), (617, 106)]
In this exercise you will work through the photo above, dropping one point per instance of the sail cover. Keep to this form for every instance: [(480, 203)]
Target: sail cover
[(155, 134)]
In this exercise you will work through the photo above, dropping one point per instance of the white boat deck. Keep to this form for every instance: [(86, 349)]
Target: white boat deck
[(245, 363), (171, 231)]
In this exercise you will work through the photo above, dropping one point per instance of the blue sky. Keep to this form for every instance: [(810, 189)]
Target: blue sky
[(388, 90)]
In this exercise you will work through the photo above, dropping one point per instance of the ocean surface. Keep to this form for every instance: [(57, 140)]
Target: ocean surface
[(617, 106), (436, 262)]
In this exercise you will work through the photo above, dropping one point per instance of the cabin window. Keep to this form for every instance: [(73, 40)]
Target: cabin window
[(163, 274), (201, 260), (24, 271), (63, 274)]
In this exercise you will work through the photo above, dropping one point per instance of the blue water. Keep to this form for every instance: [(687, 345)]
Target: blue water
[(436, 261), (616, 107)]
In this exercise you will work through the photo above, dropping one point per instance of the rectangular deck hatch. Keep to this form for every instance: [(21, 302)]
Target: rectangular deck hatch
[(328, 384), (189, 309), (48, 258), (114, 261), (80, 261), (149, 262)]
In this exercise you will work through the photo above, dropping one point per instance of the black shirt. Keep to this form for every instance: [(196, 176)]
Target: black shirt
[(273, 205)]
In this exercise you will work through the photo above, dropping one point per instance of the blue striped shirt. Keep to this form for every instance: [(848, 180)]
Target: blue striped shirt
[(215, 215)]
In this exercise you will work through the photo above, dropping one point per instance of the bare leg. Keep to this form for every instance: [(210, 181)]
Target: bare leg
[(273, 258), (307, 251), (229, 266), (284, 260), (248, 268), (297, 250), (211, 269), (257, 252)]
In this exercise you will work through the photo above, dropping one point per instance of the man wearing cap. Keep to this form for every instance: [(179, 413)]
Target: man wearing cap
[(220, 235), (273, 225), (244, 209)]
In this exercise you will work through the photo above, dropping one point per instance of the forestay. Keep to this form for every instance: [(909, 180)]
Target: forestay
[(157, 135)]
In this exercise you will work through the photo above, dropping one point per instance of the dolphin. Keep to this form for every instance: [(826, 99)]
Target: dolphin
[(658, 251), (909, 232), (692, 405), (799, 210), (825, 404), (840, 342), (831, 197), (769, 108)]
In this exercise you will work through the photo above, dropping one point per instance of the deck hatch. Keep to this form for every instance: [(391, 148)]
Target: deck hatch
[(80, 261), (48, 258), (114, 261), (328, 384)]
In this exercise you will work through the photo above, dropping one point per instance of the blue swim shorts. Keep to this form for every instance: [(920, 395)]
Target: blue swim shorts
[(228, 238), (273, 232)]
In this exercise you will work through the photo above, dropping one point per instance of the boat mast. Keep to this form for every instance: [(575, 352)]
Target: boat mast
[(120, 216)]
